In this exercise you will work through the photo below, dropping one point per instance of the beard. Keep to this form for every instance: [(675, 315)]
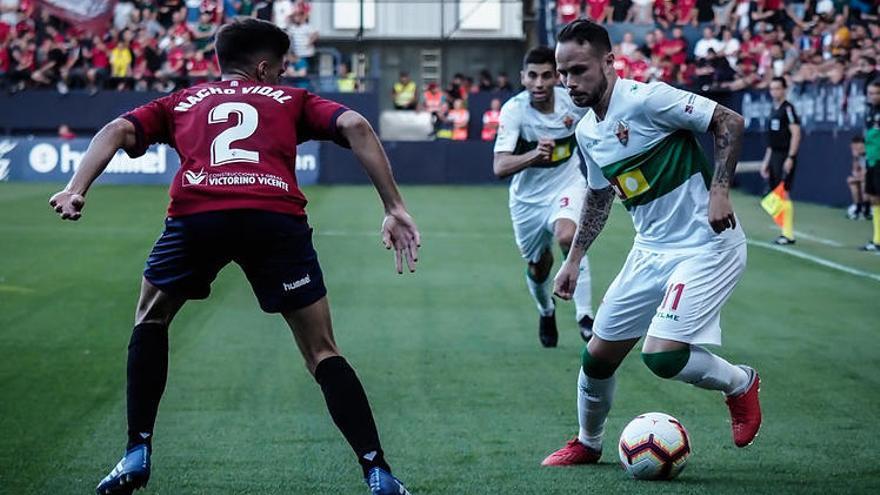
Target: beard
[(591, 98)]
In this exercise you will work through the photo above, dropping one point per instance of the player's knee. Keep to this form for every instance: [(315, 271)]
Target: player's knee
[(596, 368), (666, 364)]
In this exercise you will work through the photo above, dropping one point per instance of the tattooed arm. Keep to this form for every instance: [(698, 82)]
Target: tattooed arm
[(727, 126), (597, 206)]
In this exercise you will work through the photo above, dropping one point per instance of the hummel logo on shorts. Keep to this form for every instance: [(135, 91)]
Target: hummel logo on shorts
[(296, 285)]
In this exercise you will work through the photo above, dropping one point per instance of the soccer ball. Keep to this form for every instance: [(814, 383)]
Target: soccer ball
[(654, 446)]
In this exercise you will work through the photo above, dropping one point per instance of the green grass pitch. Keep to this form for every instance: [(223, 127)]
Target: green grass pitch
[(466, 400)]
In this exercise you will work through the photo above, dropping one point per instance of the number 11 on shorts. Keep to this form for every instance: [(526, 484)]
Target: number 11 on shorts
[(678, 289)]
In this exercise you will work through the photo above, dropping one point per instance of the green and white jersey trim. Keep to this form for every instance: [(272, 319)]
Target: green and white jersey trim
[(646, 149), (520, 128)]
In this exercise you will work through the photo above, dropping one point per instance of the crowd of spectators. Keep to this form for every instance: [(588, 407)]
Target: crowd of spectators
[(159, 45), (744, 43), (448, 106)]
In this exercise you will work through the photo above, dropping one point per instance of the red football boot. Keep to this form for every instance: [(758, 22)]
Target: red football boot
[(745, 411), (572, 454)]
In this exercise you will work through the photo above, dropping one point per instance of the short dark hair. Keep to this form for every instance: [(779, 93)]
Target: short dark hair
[(243, 40), (871, 60), (540, 55), (875, 82), (780, 80), (586, 31), (857, 139)]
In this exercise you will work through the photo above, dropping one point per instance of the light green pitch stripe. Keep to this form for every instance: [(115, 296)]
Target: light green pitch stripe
[(816, 259)]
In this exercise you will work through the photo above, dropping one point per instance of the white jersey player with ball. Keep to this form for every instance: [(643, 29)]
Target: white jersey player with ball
[(536, 147), (639, 144)]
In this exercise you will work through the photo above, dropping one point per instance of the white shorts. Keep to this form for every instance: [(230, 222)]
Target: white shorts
[(533, 224), (670, 296)]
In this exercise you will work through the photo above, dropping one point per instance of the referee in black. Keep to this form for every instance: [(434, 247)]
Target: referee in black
[(783, 140)]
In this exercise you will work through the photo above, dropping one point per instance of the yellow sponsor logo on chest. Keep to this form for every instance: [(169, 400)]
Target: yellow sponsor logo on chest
[(561, 152), (631, 184)]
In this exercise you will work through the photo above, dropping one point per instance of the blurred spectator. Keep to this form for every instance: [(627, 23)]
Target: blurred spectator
[(404, 92), (442, 122), (303, 37), (639, 69), (503, 82), (642, 12), (707, 42), (567, 11), (296, 71), (730, 47), (9, 14), (486, 83), (664, 13), (860, 207), (198, 68), (460, 118), (705, 12), (120, 60), (282, 13), (491, 120), (686, 12), (98, 58), (620, 11), (599, 10), (346, 80), (453, 89), (65, 133), (167, 10), (676, 48), (203, 33), (627, 46), (122, 14), (433, 99)]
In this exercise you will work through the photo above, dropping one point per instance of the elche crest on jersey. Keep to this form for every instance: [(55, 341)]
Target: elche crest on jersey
[(568, 120), (622, 132)]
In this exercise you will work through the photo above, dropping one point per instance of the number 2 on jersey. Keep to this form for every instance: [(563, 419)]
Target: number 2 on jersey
[(222, 151)]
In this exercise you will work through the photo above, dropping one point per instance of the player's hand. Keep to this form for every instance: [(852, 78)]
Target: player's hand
[(545, 150), (787, 165), (68, 204), (566, 280), (399, 232), (765, 170), (721, 215)]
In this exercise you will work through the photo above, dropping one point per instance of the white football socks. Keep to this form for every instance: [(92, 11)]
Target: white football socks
[(542, 294), (583, 292), (594, 403), (706, 370)]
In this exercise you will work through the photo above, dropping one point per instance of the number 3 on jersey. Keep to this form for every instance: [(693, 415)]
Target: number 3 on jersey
[(222, 151)]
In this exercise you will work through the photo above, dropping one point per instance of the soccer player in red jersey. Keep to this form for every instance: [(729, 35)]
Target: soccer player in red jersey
[(235, 198)]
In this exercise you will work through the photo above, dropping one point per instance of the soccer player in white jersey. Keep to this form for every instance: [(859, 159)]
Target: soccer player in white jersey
[(688, 254), (536, 146)]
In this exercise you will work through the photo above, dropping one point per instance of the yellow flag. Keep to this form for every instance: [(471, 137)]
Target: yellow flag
[(775, 203)]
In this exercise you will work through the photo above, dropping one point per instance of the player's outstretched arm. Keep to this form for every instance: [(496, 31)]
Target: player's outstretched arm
[(728, 127), (594, 214), (399, 231), (70, 201)]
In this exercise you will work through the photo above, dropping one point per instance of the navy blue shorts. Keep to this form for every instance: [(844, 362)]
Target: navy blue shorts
[(273, 249)]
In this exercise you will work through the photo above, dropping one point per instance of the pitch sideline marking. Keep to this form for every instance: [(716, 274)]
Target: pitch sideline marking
[(786, 250), (811, 237), (817, 259)]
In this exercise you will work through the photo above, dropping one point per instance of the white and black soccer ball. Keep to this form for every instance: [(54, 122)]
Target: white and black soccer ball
[(654, 446)]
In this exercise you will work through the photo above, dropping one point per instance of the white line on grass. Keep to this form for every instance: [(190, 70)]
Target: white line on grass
[(478, 235), (818, 260), (810, 237)]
